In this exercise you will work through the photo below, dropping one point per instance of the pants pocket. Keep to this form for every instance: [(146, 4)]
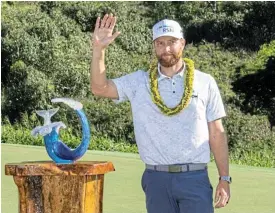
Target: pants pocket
[(143, 182)]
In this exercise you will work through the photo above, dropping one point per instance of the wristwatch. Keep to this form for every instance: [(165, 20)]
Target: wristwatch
[(226, 178)]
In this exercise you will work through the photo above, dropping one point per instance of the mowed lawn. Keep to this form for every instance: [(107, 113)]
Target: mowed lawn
[(253, 189)]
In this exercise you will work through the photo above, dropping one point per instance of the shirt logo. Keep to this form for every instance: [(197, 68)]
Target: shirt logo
[(194, 94)]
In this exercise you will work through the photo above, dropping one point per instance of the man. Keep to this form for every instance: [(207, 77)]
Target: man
[(177, 113)]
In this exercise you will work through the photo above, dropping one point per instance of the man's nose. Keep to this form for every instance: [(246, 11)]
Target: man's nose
[(167, 48)]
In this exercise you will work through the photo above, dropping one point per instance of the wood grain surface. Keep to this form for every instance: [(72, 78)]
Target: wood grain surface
[(46, 187)]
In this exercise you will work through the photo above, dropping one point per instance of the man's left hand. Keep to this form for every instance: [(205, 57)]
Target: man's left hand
[(222, 195)]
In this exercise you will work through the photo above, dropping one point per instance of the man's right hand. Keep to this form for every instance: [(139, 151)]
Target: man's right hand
[(103, 33)]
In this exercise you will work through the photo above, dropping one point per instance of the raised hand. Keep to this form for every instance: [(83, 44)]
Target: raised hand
[(103, 33)]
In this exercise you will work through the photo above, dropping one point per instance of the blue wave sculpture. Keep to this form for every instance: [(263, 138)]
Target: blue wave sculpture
[(59, 152)]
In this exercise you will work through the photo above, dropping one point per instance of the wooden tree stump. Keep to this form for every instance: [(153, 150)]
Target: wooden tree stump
[(46, 187)]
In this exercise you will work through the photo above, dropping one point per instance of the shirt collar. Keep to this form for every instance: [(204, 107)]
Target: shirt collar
[(162, 76)]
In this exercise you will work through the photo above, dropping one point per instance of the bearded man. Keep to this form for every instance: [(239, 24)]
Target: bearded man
[(177, 112)]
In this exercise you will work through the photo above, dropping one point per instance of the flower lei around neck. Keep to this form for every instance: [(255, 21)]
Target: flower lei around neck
[(188, 88)]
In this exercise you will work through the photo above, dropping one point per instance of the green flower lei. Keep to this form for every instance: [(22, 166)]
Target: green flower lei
[(188, 88)]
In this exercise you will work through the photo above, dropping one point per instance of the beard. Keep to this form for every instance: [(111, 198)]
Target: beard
[(169, 60)]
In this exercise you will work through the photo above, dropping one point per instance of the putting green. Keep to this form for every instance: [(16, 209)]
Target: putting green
[(253, 189)]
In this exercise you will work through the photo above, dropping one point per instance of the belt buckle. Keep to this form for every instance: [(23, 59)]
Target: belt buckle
[(174, 168)]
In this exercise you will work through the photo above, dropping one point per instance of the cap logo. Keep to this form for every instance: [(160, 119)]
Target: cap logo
[(166, 28)]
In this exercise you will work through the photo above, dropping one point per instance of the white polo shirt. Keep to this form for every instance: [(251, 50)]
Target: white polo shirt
[(177, 139)]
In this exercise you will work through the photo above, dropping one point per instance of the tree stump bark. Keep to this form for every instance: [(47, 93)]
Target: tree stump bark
[(46, 187)]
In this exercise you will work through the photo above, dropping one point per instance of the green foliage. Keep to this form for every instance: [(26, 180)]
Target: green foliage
[(236, 25), (220, 63), (266, 51), (255, 84), (248, 132), (259, 61), (18, 134), (265, 158), (111, 121), (44, 57)]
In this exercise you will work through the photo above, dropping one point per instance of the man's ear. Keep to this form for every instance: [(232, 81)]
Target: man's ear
[(183, 42), (153, 47)]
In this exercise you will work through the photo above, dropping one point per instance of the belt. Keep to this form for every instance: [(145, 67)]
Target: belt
[(178, 168)]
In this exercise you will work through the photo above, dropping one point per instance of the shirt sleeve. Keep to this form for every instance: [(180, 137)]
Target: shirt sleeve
[(127, 85), (215, 108)]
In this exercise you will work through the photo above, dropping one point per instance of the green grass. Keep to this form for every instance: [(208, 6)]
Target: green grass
[(253, 189)]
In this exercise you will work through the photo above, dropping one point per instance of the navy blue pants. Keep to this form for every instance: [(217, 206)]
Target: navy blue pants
[(183, 192)]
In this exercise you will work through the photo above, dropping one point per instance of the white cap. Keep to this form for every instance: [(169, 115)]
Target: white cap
[(167, 28)]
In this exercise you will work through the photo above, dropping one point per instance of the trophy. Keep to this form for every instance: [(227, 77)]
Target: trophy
[(58, 151)]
